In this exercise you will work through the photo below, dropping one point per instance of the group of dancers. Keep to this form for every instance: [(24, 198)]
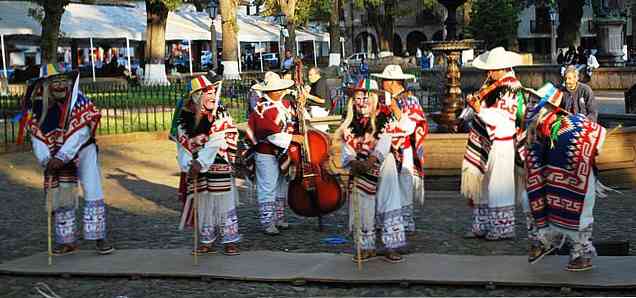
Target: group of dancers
[(525, 147)]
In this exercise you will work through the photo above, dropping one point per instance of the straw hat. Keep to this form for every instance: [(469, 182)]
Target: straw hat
[(497, 58), (393, 72), (273, 82)]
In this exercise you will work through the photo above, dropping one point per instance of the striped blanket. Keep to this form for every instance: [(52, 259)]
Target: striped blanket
[(559, 167)]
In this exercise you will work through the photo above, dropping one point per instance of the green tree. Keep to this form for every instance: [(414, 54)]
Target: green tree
[(570, 14), (495, 22), (382, 14), (50, 16), (229, 28), (156, 19)]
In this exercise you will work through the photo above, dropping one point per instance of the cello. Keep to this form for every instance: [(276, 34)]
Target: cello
[(312, 192)]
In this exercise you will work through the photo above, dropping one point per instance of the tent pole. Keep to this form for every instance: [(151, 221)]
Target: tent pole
[(239, 54), (260, 46), (92, 59), (128, 54), (315, 59), (343, 49), (4, 61), (190, 54)]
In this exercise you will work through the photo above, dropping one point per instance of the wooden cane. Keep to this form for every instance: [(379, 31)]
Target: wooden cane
[(196, 216), (49, 211), (356, 220)]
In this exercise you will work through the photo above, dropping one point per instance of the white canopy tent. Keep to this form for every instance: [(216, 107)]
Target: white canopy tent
[(83, 21)]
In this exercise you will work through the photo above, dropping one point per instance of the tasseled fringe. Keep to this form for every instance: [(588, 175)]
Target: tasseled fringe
[(207, 208), (418, 184), (63, 196), (602, 190), (520, 186), (471, 183)]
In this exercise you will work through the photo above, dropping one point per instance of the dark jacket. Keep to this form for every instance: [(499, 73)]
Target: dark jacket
[(580, 101)]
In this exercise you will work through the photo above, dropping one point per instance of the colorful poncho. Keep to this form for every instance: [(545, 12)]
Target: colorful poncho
[(403, 138), (507, 96), (560, 162)]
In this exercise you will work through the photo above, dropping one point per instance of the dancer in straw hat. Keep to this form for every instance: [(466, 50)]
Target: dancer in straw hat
[(271, 128), (206, 144), (562, 146), (403, 118), (62, 123), (488, 169)]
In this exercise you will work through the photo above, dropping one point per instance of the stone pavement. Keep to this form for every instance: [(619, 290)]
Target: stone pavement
[(140, 184), (276, 266)]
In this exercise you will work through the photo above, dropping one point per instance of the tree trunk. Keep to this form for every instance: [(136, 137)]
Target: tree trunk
[(290, 42), (229, 41), (213, 52), (74, 58), (334, 34), (288, 7), (570, 13), (157, 17), (53, 11), (383, 25), (155, 49), (633, 44)]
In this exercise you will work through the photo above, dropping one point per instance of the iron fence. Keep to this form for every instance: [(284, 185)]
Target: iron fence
[(127, 109)]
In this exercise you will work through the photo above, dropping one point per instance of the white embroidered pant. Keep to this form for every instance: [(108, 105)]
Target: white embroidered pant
[(581, 240), (271, 190), (494, 214), (388, 209), (94, 208), (217, 215)]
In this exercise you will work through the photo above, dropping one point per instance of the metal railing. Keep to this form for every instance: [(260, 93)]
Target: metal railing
[(127, 109)]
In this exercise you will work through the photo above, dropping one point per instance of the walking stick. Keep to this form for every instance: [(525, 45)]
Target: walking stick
[(49, 211), (356, 222), (196, 215)]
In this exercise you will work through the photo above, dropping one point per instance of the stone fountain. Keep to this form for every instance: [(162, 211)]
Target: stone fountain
[(452, 48)]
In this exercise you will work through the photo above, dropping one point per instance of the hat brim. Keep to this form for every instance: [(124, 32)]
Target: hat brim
[(279, 85), (351, 91), (512, 60), (396, 78), (216, 83)]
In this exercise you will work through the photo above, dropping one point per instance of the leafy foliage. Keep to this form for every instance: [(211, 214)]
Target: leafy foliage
[(495, 22), (170, 4)]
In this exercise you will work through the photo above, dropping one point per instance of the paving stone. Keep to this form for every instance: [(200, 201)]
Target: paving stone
[(144, 213)]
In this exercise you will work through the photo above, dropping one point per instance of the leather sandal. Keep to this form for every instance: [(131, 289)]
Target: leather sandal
[(103, 247), (231, 249), (65, 249), (205, 249), (393, 257), (365, 255)]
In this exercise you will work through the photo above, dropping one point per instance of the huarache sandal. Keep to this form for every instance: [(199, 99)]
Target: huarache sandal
[(231, 249), (365, 255), (393, 257), (65, 249), (103, 247), (205, 249), (579, 264), (538, 251)]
